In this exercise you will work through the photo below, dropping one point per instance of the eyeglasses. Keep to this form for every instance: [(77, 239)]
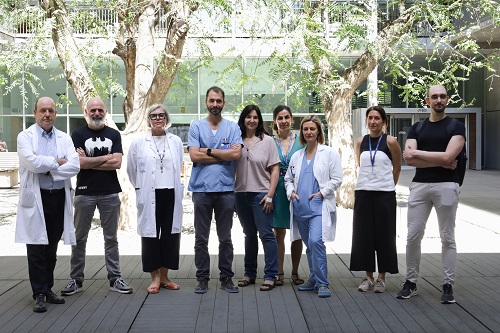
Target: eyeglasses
[(155, 116), (442, 96)]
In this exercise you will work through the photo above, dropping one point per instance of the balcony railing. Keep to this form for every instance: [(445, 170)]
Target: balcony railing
[(101, 21)]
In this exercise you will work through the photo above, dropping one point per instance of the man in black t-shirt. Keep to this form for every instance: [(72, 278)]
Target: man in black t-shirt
[(100, 150), (433, 150)]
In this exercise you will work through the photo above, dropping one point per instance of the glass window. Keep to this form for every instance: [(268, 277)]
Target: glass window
[(227, 79), (182, 98)]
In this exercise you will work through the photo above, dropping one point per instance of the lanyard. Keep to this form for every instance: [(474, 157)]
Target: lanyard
[(372, 158), (285, 157)]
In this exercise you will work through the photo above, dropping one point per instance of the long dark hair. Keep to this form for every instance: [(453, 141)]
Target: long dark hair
[(277, 110), (260, 127)]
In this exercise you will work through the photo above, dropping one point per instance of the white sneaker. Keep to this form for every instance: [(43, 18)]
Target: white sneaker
[(366, 284), (379, 286)]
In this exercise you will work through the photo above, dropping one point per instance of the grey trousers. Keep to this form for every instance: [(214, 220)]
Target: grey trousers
[(444, 198), (109, 211)]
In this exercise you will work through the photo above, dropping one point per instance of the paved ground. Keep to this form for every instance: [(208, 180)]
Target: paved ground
[(478, 223)]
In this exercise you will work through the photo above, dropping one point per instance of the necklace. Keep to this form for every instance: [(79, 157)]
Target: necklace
[(161, 156), (285, 157)]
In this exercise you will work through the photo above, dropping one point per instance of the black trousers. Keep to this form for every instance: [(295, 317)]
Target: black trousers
[(374, 232), (42, 258), (163, 250)]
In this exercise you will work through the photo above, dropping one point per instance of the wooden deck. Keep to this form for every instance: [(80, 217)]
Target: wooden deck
[(283, 309)]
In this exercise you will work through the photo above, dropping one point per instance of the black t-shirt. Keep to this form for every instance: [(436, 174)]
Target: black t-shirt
[(434, 136), (97, 143)]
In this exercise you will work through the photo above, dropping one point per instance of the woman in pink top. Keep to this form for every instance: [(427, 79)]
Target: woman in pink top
[(257, 173)]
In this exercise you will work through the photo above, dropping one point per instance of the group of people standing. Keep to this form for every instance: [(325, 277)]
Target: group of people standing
[(273, 182)]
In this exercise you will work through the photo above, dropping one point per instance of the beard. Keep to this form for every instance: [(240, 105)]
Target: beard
[(215, 110), (439, 108), (96, 121)]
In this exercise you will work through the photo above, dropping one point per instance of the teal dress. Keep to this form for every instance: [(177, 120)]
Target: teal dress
[(281, 212)]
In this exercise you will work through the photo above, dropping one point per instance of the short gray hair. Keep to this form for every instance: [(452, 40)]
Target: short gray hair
[(161, 107)]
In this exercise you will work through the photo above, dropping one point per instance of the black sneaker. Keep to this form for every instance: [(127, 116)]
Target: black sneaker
[(409, 290), (39, 303), (201, 287), (447, 295), (52, 298), (229, 286)]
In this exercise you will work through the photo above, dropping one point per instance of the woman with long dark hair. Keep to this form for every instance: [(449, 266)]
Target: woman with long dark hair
[(288, 144), (256, 178)]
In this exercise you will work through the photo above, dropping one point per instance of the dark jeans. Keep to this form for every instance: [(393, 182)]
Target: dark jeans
[(205, 204), (253, 219), (42, 258)]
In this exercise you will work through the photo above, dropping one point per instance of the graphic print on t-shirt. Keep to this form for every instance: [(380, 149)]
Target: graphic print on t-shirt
[(98, 146)]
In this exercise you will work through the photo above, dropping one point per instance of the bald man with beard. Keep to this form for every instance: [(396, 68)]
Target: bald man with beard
[(100, 150)]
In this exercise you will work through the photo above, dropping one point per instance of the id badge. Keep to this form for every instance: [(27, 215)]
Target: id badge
[(225, 144)]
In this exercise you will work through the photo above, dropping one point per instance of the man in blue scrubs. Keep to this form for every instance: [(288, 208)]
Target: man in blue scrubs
[(214, 145)]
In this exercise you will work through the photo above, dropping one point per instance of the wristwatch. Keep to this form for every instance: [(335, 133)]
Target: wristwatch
[(209, 151)]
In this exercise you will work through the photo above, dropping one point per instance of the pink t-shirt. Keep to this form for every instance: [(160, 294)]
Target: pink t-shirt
[(252, 169)]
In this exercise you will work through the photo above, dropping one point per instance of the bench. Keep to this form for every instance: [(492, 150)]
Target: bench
[(9, 169)]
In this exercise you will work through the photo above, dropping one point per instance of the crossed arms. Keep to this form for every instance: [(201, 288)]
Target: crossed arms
[(103, 163), (428, 159)]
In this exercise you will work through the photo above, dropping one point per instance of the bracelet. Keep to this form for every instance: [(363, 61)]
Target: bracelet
[(269, 200)]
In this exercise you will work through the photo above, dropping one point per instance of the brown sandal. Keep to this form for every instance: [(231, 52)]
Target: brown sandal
[(296, 279), (280, 279)]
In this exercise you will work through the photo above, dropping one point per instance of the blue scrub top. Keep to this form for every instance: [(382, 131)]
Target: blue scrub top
[(304, 209), (213, 177)]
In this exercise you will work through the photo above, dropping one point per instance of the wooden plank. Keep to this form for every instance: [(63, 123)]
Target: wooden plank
[(167, 311), (264, 309), (311, 316), (235, 314), (282, 309), (446, 317), (133, 308), (81, 306), (43, 322), (249, 309), (293, 309), (410, 315), (280, 315), (220, 310), (370, 313), (16, 307)]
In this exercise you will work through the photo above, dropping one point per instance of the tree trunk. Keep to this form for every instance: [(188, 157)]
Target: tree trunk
[(337, 108), (68, 52)]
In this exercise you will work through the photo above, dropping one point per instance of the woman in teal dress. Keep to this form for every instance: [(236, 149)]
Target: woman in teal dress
[(287, 143)]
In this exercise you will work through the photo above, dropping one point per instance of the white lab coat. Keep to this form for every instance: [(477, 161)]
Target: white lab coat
[(30, 223), (141, 170), (328, 173)]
